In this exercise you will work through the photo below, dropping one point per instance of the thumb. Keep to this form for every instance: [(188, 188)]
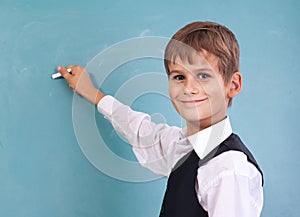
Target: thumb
[(63, 71)]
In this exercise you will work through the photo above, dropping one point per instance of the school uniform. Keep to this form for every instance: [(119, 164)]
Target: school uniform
[(210, 172)]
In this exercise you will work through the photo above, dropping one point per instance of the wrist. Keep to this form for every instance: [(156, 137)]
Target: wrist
[(98, 96), (93, 95)]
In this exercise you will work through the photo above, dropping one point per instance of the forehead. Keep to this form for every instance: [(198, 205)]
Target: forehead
[(195, 61)]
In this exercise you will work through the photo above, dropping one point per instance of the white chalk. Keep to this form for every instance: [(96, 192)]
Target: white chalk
[(58, 75)]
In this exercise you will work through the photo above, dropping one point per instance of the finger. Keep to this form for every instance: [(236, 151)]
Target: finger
[(71, 67), (76, 70), (63, 71)]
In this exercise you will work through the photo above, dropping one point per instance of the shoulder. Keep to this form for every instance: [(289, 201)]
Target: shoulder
[(228, 164), (230, 184)]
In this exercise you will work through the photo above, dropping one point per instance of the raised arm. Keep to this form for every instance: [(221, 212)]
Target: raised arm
[(153, 144), (79, 81)]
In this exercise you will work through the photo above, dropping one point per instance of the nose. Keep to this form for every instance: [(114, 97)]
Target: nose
[(191, 86)]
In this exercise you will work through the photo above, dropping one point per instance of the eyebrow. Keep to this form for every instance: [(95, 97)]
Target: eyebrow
[(175, 71), (196, 71)]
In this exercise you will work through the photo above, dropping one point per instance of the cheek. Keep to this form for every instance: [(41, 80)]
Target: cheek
[(214, 88), (172, 91), (218, 100), (216, 94), (173, 94)]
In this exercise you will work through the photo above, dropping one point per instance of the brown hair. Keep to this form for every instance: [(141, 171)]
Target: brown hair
[(212, 37)]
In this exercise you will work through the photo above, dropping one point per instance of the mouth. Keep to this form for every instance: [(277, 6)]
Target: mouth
[(195, 101)]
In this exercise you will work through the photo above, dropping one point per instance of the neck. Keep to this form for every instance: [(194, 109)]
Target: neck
[(196, 126)]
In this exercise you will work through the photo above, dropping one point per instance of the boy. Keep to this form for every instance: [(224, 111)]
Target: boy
[(211, 173)]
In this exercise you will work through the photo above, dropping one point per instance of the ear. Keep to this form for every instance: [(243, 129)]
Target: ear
[(235, 85)]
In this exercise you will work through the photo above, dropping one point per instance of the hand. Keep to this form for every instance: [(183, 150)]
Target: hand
[(79, 81)]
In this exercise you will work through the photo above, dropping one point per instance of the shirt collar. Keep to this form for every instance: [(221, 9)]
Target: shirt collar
[(206, 140)]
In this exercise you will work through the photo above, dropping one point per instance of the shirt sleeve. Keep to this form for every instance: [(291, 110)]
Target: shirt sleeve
[(234, 190), (153, 144)]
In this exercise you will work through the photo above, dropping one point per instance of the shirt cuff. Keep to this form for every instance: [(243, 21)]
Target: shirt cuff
[(107, 105)]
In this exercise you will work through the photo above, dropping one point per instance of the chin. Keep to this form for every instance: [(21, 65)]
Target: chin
[(194, 118)]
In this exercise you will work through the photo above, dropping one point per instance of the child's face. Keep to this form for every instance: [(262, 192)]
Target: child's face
[(198, 92)]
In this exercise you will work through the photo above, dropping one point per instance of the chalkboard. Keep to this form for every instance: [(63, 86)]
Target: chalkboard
[(46, 170)]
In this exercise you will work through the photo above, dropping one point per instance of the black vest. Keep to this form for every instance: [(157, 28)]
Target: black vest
[(180, 198)]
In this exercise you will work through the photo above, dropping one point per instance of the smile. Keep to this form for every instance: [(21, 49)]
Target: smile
[(193, 102)]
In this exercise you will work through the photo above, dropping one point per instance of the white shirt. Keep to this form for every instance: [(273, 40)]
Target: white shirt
[(226, 186)]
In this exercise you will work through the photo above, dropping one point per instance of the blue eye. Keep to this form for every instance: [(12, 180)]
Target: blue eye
[(203, 76)]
